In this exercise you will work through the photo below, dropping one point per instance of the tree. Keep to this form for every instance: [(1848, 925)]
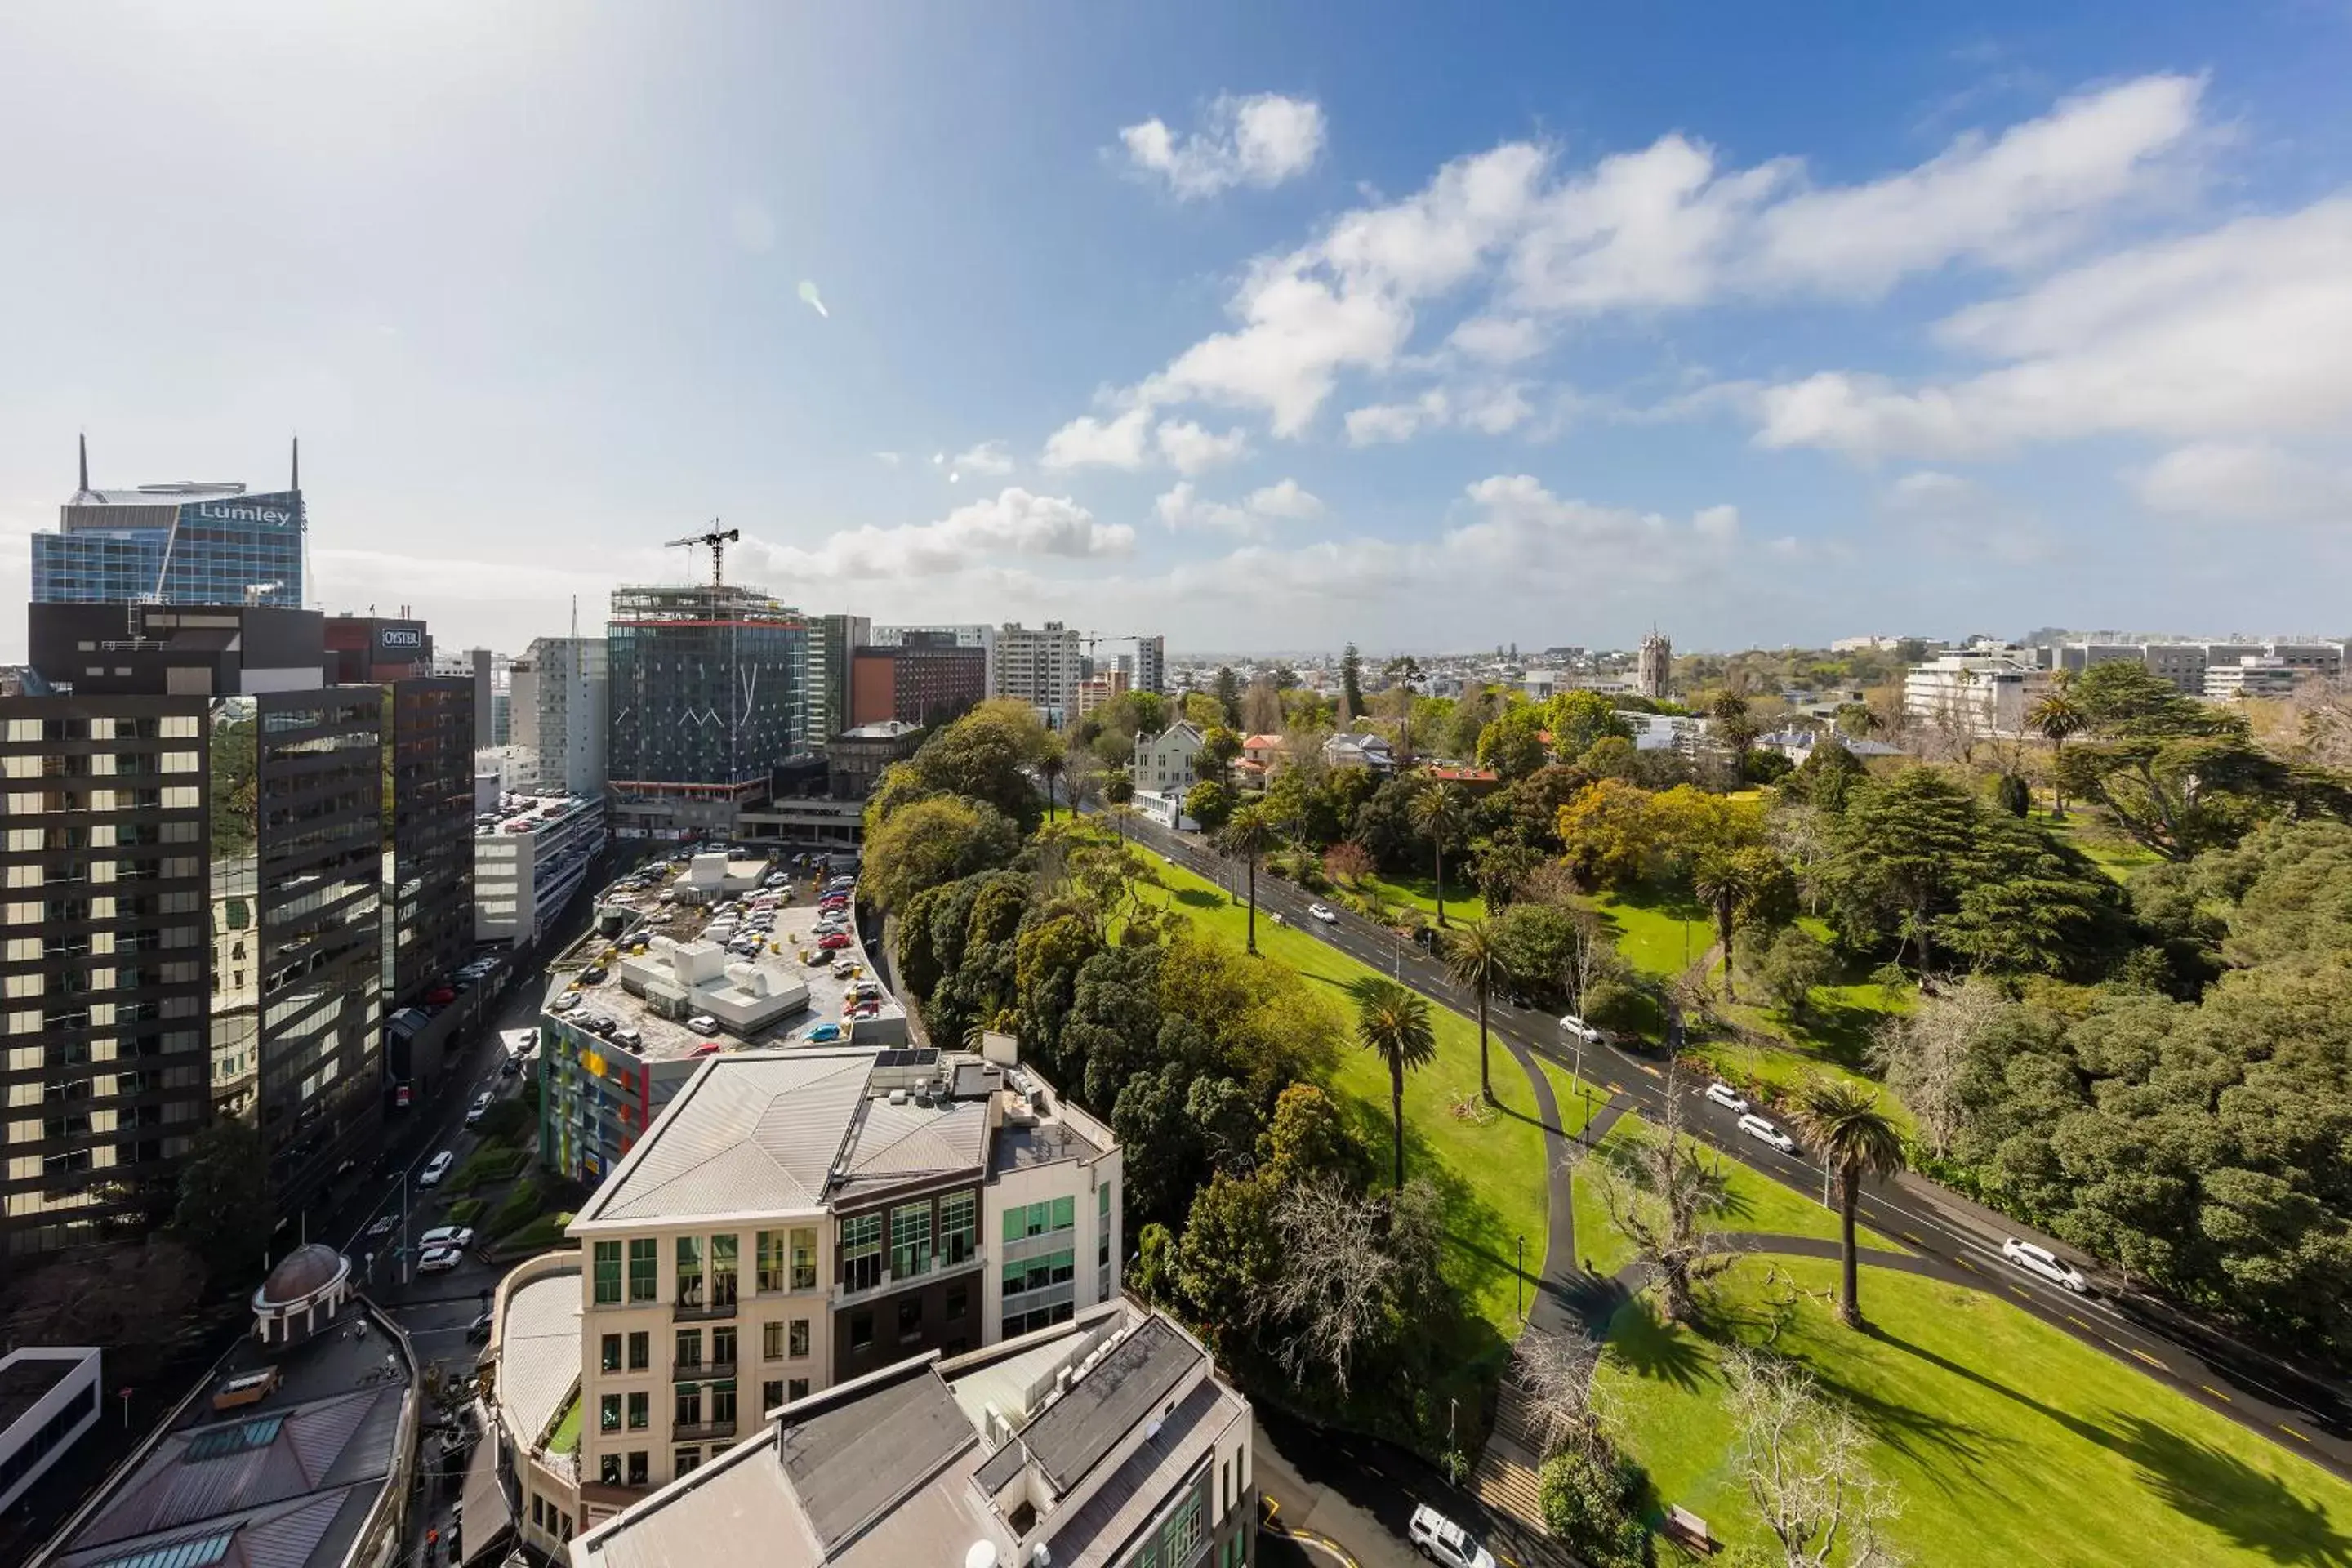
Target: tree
[(1662, 1197), (1308, 1136), (137, 1298), (1394, 1023), (1578, 720), (1118, 796), (1828, 774), (225, 1211), (1346, 863), (1748, 882), (1934, 1058), (1554, 1373), (2015, 795), (1050, 767), (1607, 833), (1900, 846), (985, 756), (1733, 726), (1793, 965), (1512, 745), (1593, 1502), (1351, 684), (1442, 816), (1804, 1457), (1219, 747), (1854, 1138), (2058, 718), (1210, 803), (1228, 693), (932, 842), (1336, 1295), (1247, 836), (1473, 958)]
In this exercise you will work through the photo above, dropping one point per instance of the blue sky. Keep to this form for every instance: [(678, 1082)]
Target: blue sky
[(1263, 330)]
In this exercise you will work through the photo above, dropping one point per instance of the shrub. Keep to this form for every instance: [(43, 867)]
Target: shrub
[(1592, 1503)]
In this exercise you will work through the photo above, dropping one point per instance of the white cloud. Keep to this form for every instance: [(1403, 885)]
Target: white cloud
[(753, 225), (1299, 332), (2246, 483), (1191, 449), (1261, 140), (1490, 410), (2214, 336), (1382, 422), (1958, 517), (1183, 509), (989, 458), (1526, 530), (890, 459), (1498, 340), (1089, 442), (1012, 524)]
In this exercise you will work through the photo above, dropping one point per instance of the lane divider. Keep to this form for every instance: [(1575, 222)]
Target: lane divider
[(2215, 1393)]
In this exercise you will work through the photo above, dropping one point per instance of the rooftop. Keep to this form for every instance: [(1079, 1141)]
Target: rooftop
[(919, 1462), (288, 1480), (539, 1349), (30, 1373), (528, 814)]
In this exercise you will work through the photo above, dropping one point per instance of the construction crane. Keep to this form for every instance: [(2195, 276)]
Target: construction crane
[(716, 541)]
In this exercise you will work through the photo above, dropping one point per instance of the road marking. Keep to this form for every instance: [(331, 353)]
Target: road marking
[(1648, 1068), (1964, 1263), (2148, 1358), (2021, 1292), (2214, 1392), (2079, 1323), (2292, 1432), (1911, 1238)]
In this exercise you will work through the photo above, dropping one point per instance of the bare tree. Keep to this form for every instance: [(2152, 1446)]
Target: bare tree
[(1663, 1195), (1928, 1056), (1558, 1393), (1262, 707), (1338, 1280), (1803, 1455)]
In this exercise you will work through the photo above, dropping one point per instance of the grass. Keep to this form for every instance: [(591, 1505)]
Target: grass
[(487, 1166), (1491, 1174), (465, 1211), (2113, 853), (565, 1438), (1659, 931), (1418, 889), (540, 1234), (1760, 1205), (2006, 1441)]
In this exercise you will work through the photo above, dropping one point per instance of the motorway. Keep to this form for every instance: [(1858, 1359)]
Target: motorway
[(2281, 1403)]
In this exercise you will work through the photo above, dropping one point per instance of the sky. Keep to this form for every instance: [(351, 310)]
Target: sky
[(1263, 327)]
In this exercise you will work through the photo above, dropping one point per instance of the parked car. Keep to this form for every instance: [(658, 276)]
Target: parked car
[(457, 1236), (1323, 913), (1728, 1098), (824, 1034), (846, 969), (835, 942), (384, 1224), (1764, 1131), (1441, 1541), (435, 1168), (479, 1109), (2035, 1258), (703, 1024), (815, 955), (510, 1066), (1572, 1024), (565, 1003), (592, 975), (439, 1261), (440, 996)]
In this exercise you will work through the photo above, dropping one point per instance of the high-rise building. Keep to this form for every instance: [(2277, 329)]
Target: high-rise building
[(833, 642), (1151, 665), (570, 688), (966, 635), (1101, 690), (1653, 670), (1038, 666), (194, 765), (927, 678), (710, 691), (179, 543)]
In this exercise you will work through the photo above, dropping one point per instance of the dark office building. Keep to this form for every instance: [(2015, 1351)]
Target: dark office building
[(926, 679), (201, 819), (182, 543), (429, 902), (367, 649)]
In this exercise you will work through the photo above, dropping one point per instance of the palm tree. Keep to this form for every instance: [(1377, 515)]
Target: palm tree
[(1050, 767), (1439, 814), (2057, 716), (1854, 1138), (1474, 959), (1720, 879), (1394, 1023), (1248, 834)]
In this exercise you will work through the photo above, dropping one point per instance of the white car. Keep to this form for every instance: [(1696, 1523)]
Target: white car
[(1763, 1131), (479, 1109), (1322, 912), (439, 1261), (1441, 1541), (384, 1224), (703, 1024), (1728, 1098), (434, 1169), (2037, 1259), (457, 1236), (1572, 1024)]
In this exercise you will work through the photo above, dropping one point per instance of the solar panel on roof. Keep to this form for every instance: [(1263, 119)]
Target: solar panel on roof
[(242, 1438), (201, 1552)]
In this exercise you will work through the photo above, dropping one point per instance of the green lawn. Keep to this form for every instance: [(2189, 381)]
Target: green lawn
[(1661, 933), (1760, 1205), (2006, 1441), (1420, 891), (2115, 854), (565, 1438)]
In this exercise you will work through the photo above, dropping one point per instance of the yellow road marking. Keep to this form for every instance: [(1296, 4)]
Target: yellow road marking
[(2214, 1392), (1913, 1239), (1648, 1068), (2077, 1321), (2291, 1432), (2148, 1358), (1964, 1263), (2021, 1292)]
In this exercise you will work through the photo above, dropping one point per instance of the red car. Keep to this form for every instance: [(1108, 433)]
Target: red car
[(832, 943), (439, 996)]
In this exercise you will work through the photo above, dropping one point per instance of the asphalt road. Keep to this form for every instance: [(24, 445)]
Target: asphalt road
[(2291, 1407)]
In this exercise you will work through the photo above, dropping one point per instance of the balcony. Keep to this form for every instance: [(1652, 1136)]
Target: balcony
[(701, 1431), (695, 1309), (700, 1371)]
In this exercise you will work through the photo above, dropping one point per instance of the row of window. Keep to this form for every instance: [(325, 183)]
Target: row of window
[(786, 1260), (916, 1240), (168, 727)]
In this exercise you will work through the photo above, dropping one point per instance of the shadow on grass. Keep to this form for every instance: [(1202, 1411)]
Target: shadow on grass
[(1552, 1128), (1645, 1345), (2257, 1511), (1200, 897)]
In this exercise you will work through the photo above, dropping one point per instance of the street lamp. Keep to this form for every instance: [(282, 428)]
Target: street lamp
[(1519, 1279)]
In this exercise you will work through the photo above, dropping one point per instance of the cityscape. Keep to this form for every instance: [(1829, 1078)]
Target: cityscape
[(773, 1005)]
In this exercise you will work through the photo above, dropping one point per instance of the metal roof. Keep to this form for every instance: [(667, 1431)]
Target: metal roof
[(853, 1462), (538, 1351), (1070, 1436)]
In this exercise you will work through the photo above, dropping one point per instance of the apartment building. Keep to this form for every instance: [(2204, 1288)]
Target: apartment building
[(2186, 664), (1151, 665), (568, 693), (531, 862), (2247, 678), (796, 1219), (1101, 690), (1977, 696), (1110, 1442), (927, 677), (1040, 666)]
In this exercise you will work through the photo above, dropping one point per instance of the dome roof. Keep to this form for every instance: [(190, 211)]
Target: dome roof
[(301, 1274)]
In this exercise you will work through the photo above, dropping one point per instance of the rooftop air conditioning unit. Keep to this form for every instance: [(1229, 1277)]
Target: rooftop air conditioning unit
[(898, 1097)]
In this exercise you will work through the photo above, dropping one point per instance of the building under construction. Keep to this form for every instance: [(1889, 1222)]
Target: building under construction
[(710, 690)]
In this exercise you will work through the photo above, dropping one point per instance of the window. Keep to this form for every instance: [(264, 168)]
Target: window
[(799, 1340), (861, 1252), (1181, 1536), (689, 1271), (797, 1388), (608, 1274), (723, 1402), (609, 1470), (1037, 1273), (723, 1269), (688, 1410), (611, 1358), (1037, 1219), (772, 1342), (636, 1466), (768, 1252), (805, 1260), (686, 1461), (911, 1318), (689, 1347), (641, 1351), (640, 1411), (608, 1413), (861, 1330), (959, 1228), (910, 1241), (722, 1346), (645, 1269), (1225, 1485), (1102, 1225), (959, 1301)]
